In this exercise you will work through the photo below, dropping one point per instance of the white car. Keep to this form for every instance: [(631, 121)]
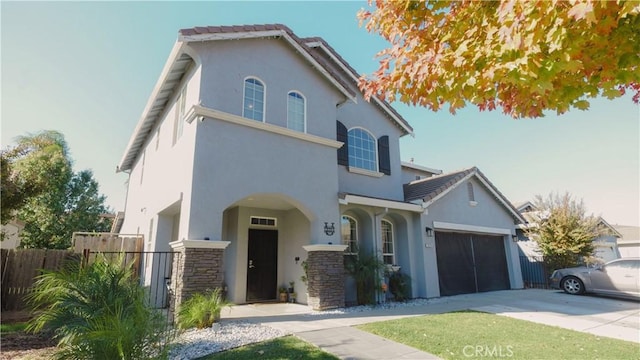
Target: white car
[(620, 277)]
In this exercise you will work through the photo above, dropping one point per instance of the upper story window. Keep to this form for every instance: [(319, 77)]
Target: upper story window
[(296, 111), (362, 149), (388, 255), (349, 234), (253, 107)]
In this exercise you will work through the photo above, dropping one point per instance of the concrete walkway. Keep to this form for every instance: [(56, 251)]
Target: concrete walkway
[(334, 332)]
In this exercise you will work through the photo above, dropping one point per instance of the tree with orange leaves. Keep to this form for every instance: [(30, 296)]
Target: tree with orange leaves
[(522, 56)]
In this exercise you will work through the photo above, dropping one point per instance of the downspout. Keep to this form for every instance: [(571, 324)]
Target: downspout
[(377, 235)]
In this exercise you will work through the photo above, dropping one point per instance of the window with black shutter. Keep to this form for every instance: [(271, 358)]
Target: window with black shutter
[(384, 160), (343, 152)]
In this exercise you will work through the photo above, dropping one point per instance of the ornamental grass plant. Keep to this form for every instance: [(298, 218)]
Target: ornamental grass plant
[(97, 311), (201, 310)]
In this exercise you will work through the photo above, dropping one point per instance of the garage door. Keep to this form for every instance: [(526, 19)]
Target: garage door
[(469, 263)]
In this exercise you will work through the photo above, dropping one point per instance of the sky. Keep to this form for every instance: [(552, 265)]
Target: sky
[(86, 69)]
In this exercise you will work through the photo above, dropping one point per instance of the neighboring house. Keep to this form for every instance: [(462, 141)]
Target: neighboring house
[(605, 246), (257, 149), (11, 234), (629, 242)]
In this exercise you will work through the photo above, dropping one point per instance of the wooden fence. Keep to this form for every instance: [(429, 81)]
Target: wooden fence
[(90, 244), (20, 267)]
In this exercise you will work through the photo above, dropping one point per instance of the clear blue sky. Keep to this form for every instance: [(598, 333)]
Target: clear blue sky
[(87, 69)]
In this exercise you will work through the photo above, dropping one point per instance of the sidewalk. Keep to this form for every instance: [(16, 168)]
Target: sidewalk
[(334, 331)]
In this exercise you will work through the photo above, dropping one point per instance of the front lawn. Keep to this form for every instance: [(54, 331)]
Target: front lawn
[(469, 334), (288, 347), (12, 327)]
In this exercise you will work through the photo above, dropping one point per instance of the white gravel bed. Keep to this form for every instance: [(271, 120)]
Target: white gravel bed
[(222, 336)]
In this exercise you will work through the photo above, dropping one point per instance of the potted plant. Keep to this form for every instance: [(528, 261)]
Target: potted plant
[(283, 293), (292, 297), (291, 284)]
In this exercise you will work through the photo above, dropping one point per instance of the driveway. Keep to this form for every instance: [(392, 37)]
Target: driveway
[(600, 316)]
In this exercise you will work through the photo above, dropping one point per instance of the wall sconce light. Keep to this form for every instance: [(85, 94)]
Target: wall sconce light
[(297, 258), (429, 231), (514, 238)]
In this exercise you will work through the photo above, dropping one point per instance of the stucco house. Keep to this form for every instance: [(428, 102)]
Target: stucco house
[(256, 151), (629, 242)]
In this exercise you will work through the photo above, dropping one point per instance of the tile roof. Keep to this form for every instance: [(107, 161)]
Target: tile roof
[(429, 188), (432, 187)]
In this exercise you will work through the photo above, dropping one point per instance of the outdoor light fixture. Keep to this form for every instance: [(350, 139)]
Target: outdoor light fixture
[(429, 231), (514, 238), (297, 258)]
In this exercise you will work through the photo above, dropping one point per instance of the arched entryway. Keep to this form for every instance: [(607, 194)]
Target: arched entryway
[(266, 232)]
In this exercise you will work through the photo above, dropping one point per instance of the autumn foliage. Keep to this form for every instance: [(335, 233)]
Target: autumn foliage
[(524, 57)]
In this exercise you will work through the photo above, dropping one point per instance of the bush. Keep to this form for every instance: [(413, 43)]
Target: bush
[(366, 269), (400, 286), (202, 310), (97, 311)]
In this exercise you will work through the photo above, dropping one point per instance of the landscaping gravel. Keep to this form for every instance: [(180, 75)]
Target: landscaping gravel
[(383, 306), (222, 336)]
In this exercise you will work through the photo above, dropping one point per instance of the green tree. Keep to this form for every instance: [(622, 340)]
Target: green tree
[(41, 189), (38, 162), (52, 217), (563, 230), (522, 56)]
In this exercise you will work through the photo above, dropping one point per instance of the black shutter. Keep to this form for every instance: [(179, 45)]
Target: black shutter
[(384, 160), (342, 136)]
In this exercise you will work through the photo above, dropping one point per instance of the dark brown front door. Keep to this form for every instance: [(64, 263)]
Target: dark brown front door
[(262, 265)]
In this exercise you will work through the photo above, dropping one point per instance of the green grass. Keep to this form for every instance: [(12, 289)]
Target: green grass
[(468, 334), (288, 347), (11, 328)]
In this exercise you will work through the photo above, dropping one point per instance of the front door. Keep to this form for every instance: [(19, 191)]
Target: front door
[(262, 265)]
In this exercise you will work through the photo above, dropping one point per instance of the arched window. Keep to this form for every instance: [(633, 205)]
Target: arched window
[(349, 233), (362, 150), (253, 107), (296, 111), (388, 255)]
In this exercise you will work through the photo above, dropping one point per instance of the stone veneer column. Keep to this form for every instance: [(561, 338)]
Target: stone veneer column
[(325, 276), (196, 268)]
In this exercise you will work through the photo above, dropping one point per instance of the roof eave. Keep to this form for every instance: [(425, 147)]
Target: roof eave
[(130, 153)]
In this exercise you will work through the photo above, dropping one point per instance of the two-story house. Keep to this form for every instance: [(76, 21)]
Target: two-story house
[(256, 152)]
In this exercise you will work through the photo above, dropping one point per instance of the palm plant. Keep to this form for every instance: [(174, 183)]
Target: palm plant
[(201, 310), (367, 270), (97, 311)]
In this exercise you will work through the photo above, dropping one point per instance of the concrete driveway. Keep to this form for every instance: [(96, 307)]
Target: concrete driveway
[(600, 316)]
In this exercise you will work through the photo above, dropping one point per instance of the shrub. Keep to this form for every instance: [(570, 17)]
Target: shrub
[(202, 309), (400, 286), (97, 311), (367, 270)]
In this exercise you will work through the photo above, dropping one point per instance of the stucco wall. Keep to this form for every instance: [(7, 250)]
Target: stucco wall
[(233, 162), (161, 175), (368, 116), (226, 64)]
